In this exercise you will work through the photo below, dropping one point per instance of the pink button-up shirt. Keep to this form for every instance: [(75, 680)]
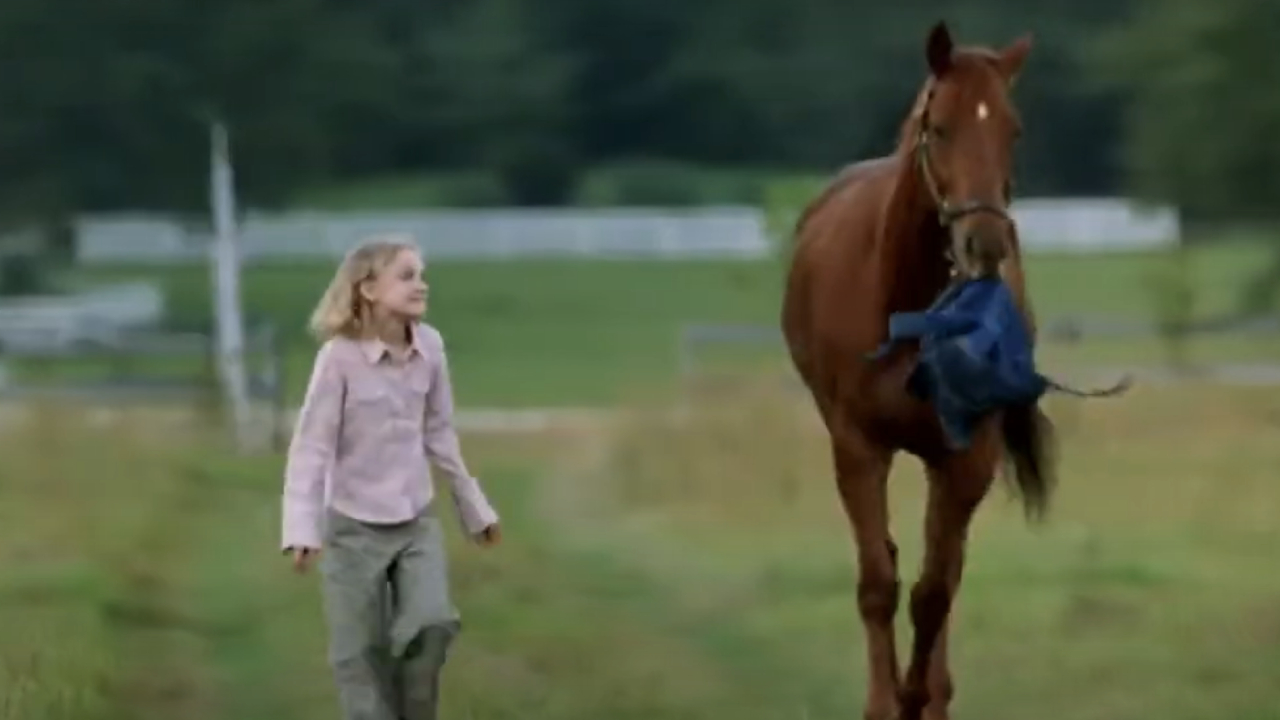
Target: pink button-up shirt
[(367, 427)]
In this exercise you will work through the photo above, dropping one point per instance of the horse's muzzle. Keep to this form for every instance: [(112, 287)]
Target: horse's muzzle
[(980, 249)]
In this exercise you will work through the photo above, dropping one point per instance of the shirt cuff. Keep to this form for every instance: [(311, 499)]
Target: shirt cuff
[(474, 510), (300, 529)]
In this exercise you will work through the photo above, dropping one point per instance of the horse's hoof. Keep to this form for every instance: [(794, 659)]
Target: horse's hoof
[(909, 715)]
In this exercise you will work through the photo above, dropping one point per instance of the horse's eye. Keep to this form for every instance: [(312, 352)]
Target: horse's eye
[(937, 132)]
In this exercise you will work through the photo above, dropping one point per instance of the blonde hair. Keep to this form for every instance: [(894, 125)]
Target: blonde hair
[(342, 310)]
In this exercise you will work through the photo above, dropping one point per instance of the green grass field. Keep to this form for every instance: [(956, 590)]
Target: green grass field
[(575, 332), (657, 573), (696, 573)]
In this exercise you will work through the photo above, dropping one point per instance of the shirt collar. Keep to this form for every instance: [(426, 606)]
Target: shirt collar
[(374, 349)]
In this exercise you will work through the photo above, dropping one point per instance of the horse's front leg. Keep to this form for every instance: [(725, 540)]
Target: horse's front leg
[(956, 487), (861, 476)]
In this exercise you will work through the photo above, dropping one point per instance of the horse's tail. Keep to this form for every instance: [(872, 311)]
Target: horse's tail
[(1122, 386), (1031, 448), (1030, 457)]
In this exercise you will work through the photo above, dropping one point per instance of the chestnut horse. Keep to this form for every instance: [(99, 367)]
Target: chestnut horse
[(886, 236)]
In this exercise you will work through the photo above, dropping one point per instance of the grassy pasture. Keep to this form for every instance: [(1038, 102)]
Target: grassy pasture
[(652, 571)]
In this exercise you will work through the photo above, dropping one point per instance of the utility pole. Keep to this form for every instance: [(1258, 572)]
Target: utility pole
[(228, 316)]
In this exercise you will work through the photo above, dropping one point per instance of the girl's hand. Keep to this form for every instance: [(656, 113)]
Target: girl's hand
[(489, 536), (302, 557)]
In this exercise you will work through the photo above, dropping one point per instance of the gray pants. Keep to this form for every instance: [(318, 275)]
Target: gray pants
[(386, 600)]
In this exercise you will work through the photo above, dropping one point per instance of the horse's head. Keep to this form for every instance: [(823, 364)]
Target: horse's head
[(964, 130)]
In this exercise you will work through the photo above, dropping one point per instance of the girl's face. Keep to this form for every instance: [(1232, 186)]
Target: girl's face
[(399, 290)]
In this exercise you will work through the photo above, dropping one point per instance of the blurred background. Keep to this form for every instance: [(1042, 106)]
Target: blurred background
[(604, 190)]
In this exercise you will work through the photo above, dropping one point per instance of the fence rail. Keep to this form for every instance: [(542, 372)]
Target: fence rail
[(1045, 225), (97, 316), (125, 371), (1092, 225), (721, 232)]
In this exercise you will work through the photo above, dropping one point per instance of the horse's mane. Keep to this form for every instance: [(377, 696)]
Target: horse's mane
[(845, 175), (910, 127)]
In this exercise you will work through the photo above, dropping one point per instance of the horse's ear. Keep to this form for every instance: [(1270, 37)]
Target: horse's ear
[(938, 49), (1013, 57)]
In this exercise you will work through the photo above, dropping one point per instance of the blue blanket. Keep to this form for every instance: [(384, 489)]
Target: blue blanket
[(976, 355)]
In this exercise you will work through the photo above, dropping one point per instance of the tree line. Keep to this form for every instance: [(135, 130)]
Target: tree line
[(105, 104)]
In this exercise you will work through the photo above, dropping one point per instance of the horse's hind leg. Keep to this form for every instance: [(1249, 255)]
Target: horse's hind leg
[(861, 475), (955, 490)]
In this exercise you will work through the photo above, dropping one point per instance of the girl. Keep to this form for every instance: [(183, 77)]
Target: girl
[(378, 406)]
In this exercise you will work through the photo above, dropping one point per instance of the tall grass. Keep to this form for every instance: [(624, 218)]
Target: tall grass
[(94, 507), (689, 563), (1149, 593)]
